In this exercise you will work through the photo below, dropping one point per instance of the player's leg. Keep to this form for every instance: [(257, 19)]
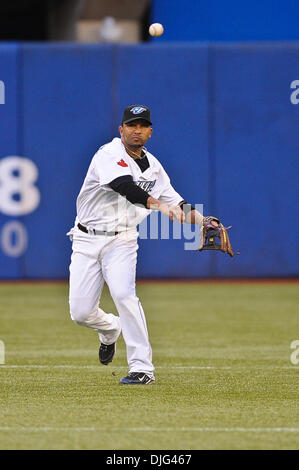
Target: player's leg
[(86, 284), (119, 270)]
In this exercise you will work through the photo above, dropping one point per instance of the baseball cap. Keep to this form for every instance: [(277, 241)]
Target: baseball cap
[(136, 111)]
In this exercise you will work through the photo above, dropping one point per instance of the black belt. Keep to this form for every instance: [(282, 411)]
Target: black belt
[(95, 232)]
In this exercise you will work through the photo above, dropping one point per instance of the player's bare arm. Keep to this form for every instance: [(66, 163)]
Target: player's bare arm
[(193, 216), (173, 212)]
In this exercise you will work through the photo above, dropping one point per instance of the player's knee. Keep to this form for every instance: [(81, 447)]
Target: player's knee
[(122, 294), (80, 311)]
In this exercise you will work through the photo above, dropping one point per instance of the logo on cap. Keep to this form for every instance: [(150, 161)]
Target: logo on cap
[(137, 110)]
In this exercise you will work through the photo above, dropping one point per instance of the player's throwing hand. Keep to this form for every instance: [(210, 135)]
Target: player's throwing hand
[(173, 212)]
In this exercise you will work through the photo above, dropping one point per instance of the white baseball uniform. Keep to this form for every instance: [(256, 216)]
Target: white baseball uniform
[(112, 258)]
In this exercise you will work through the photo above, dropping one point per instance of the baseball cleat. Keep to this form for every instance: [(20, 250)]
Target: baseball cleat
[(106, 353), (137, 378)]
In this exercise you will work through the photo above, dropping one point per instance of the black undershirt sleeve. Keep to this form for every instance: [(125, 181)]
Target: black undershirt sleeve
[(125, 186)]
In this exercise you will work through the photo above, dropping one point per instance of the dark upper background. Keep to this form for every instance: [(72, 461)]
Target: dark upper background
[(189, 20)]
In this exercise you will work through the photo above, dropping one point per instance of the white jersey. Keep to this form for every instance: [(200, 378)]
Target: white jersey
[(99, 207)]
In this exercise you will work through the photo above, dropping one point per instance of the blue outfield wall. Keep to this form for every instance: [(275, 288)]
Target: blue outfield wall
[(10, 124), (225, 129)]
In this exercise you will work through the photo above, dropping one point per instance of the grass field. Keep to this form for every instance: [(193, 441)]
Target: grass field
[(224, 379)]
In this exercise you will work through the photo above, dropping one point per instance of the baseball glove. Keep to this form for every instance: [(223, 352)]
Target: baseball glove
[(214, 236)]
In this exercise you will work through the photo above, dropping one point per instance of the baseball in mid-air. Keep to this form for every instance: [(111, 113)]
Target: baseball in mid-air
[(156, 29)]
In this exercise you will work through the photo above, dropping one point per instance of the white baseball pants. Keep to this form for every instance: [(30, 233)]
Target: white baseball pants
[(96, 259)]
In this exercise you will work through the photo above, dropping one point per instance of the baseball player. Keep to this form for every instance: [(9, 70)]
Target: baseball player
[(124, 183)]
